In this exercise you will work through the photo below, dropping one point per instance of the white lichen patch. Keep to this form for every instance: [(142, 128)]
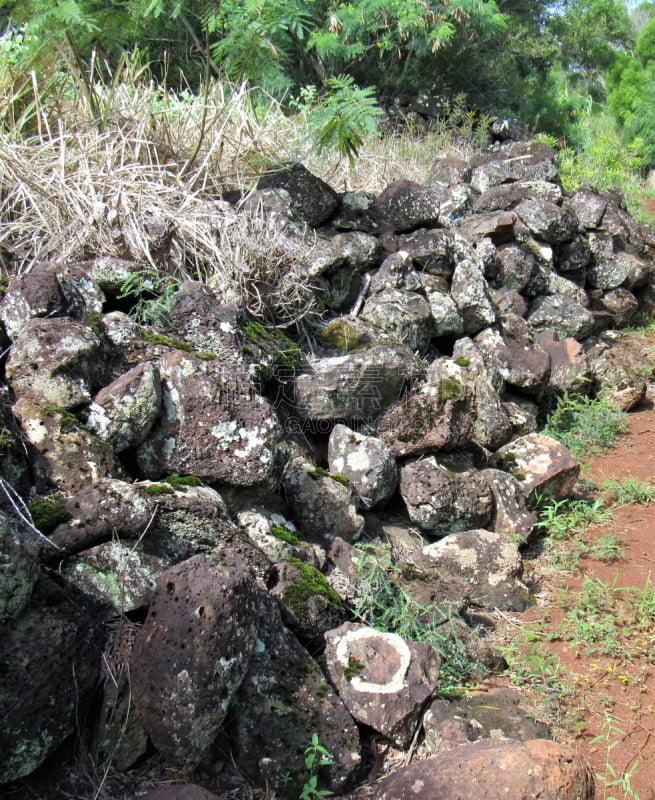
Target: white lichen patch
[(397, 680)]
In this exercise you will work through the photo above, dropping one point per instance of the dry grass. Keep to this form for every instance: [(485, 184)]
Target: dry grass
[(137, 172)]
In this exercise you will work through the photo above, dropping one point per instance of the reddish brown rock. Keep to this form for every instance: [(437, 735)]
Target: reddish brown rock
[(494, 768), (192, 653)]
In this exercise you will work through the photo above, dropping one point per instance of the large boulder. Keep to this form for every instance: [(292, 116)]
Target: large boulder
[(489, 562), (494, 768), (405, 206), (441, 501), (282, 702), (43, 698), (192, 653), (312, 200), (405, 316)]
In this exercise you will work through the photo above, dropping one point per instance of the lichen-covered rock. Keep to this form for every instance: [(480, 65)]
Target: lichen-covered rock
[(278, 538), (621, 306), (42, 698), (435, 418), (323, 507), (405, 316), (214, 425), (540, 464), (44, 291), (563, 315), (192, 653), (312, 200), (573, 258), (440, 501), (569, 368), (517, 266), (310, 605), (356, 386), (511, 518), (405, 206), (64, 454), (432, 252), (13, 458), (276, 711), (492, 714), (498, 227), (367, 463), (546, 220), (514, 354), (118, 574), (494, 768), (396, 272), (612, 267), (533, 161), (509, 195), (55, 362), (470, 291), (491, 564), (336, 265), (446, 318), (616, 367), (19, 567), (449, 169), (101, 510), (588, 205), (124, 412), (491, 426), (383, 679)]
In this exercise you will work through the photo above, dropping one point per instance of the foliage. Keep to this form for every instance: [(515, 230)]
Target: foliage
[(586, 426), (383, 604), (343, 118), (611, 735), (316, 756), (630, 490)]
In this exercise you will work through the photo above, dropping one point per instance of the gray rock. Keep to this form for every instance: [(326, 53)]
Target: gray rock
[(214, 425), (588, 205), (276, 712), (336, 264), (615, 367), (561, 314), (357, 386), (492, 714), (612, 267), (620, 304), (494, 768), (42, 698), (440, 501), (356, 213), (517, 266), (405, 206), (533, 161), (491, 426), (367, 463), (192, 653), (510, 517), (449, 169), (396, 272), (19, 566), (54, 362), (573, 258), (471, 294), (278, 538), (431, 252), (405, 316), (491, 564), (322, 506), (507, 196), (312, 200), (123, 413), (446, 318), (383, 679), (547, 221), (540, 464)]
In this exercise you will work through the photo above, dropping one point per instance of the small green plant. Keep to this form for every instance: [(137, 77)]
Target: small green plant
[(151, 294), (586, 426), (385, 605), (630, 490), (316, 756), (610, 778)]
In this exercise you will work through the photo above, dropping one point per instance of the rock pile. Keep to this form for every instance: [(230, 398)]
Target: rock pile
[(203, 485)]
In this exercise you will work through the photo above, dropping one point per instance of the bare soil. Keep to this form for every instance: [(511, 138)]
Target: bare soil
[(605, 688)]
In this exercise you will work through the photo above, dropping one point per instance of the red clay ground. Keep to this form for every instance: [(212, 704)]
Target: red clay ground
[(621, 687)]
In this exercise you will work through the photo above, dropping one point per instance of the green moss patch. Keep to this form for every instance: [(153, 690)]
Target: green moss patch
[(49, 512), (309, 583)]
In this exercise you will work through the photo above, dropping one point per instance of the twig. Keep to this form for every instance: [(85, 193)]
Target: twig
[(16, 502), (361, 296)]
